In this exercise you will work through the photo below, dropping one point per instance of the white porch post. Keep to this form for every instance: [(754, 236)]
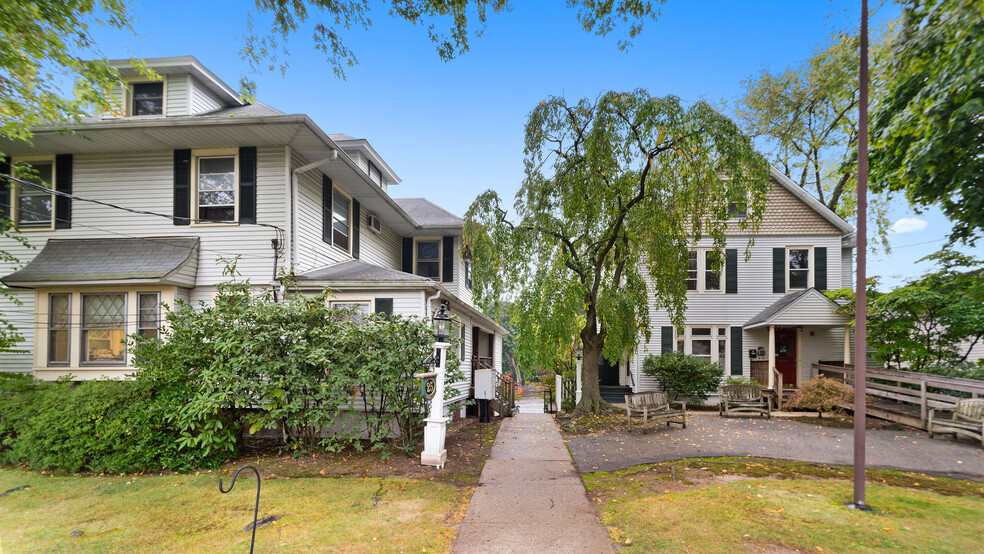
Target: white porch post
[(434, 453), (577, 393), (847, 344), (559, 381), (772, 354)]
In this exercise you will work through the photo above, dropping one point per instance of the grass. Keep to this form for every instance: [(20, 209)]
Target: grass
[(187, 513), (728, 505)]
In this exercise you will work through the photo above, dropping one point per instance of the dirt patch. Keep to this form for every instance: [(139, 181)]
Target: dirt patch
[(468, 443), (847, 422)]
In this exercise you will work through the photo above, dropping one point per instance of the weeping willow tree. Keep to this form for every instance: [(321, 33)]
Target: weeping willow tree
[(615, 190)]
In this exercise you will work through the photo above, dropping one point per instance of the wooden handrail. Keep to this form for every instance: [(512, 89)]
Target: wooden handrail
[(776, 377)]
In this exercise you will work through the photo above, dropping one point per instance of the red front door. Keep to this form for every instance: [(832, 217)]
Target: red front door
[(786, 355)]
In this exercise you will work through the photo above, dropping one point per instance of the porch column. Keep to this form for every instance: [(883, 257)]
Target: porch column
[(772, 354), (847, 345)]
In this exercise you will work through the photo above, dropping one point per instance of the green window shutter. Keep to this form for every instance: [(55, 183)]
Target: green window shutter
[(326, 196), (779, 270), (736, 351), (666, 339), (447, 255), (384, 306), (820, 275), (731, 271), (247, 184), (356, 226), (408, 254), (4, 188), (63, 183), (182, 187)]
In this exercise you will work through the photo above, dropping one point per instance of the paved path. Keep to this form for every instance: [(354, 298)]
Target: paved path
[(708, 435), (530, 498)]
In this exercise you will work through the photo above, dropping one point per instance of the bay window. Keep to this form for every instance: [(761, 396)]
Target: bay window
[(149, 314), (59, 324), (103, 328)]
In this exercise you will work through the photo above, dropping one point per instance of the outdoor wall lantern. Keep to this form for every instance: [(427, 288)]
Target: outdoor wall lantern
[(579, 352), (442, 323)]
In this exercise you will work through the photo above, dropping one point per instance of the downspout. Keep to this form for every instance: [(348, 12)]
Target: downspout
[(427, 303)]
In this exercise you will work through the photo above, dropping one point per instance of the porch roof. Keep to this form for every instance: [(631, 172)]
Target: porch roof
[(359, 271), (806, 307), (150, 260)]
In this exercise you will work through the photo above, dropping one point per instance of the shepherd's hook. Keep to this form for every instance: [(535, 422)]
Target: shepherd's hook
[(256, 510)]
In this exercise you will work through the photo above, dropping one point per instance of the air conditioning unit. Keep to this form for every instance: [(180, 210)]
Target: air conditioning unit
[(374, 224)]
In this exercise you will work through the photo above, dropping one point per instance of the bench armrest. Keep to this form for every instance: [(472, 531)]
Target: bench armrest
[(682, 403)]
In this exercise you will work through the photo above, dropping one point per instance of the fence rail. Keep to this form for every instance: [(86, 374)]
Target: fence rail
[(905, 396)]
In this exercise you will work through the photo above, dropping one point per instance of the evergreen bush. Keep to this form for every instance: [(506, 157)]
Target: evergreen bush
[(684, 375)]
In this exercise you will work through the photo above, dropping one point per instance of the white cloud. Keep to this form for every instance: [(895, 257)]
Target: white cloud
[(908, 225)]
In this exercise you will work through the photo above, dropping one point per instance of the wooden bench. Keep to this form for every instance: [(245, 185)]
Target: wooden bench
[(653, 405), (968, 419), (744, 399)]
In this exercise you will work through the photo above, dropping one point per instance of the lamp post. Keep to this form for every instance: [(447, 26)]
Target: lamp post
[(434, 453), (578, 354)]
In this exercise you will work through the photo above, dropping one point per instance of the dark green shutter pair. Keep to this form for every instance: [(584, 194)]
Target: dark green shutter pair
[(327, 197), (247, 186), (447, 258), (779, 269), (63, 183)]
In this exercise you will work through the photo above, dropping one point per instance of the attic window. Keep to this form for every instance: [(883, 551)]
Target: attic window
[(374, 174), (148, 99)]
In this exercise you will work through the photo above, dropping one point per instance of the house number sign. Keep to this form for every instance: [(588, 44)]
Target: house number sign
[(428, 384)]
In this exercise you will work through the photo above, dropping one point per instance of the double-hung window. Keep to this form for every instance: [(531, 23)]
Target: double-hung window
[(712, 278), (707, 342), (59, 326), (692, 270), (798, 267), (217, 188), (149, 314), (148, 98), (705, 273), (429, 259), (103, 328), (341, 208), (35, 202)]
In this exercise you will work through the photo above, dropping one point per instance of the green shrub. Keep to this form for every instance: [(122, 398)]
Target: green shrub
[(821, 394), (684, 375), (741, 381)]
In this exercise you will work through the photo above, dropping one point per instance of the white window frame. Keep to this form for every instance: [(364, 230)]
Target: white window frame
[(349, 238), (715, 337), (139, 325), (128, 97), (810, 269), (440, 255), (702, 271), (197, 155), (15, 193)]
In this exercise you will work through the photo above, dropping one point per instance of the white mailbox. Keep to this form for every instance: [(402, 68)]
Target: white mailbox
[(484, 384)]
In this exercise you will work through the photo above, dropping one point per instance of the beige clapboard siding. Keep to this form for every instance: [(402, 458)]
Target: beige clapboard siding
[(754, 295), (202, 100), (176, 98)]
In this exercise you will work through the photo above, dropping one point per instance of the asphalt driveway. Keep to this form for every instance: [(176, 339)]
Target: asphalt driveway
[(709, 435)]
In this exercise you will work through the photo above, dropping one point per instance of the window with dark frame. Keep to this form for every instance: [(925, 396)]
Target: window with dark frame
[(799, 268), (35, 205), (429, 259), (148, 98), (340, 210), (59, 326), (217, 189), (103, 328), (149, 314)]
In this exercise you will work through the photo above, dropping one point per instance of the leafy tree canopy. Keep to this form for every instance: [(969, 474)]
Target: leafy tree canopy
[(615, 191), (928, 131), (806, 117)]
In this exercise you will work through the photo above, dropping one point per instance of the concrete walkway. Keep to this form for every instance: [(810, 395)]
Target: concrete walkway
[(530, 498), (708, 435)]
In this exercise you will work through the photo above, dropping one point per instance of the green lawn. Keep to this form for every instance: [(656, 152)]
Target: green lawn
[(715, 506), (187, 513)]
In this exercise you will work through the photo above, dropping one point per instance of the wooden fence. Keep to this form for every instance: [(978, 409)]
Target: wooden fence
[(904, 396)]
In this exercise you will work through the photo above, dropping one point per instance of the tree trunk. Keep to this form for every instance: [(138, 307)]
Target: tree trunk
[(591, 341)]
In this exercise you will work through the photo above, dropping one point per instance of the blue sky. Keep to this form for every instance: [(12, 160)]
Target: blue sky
[(452, 130)]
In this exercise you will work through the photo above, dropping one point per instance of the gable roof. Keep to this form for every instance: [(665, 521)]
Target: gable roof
[(805, 307), (168, 260), (182, 64), (810, 201), (430, 216)]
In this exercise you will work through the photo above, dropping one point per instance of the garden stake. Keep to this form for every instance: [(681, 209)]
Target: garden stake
[(256, 510)]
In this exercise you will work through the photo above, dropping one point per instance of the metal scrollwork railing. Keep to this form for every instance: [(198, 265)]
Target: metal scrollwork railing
[(256, 510)]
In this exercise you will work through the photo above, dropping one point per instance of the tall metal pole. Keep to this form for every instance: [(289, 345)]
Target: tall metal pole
[(861, 291)]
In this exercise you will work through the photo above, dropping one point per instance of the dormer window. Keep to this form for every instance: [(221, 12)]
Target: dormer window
[(148, 98)]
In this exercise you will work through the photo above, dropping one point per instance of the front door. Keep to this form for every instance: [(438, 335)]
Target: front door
[(786, 355), (607, 372)]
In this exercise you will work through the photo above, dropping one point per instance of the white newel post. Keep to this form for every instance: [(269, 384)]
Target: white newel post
[(560, 391), (434, 453), (577, 394)]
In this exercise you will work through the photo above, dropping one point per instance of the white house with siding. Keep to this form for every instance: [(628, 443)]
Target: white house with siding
[(204, 176), (764, 316)]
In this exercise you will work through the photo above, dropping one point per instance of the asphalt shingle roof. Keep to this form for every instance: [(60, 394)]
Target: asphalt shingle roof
[(429, 214), (359, 271), (80, 260)]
